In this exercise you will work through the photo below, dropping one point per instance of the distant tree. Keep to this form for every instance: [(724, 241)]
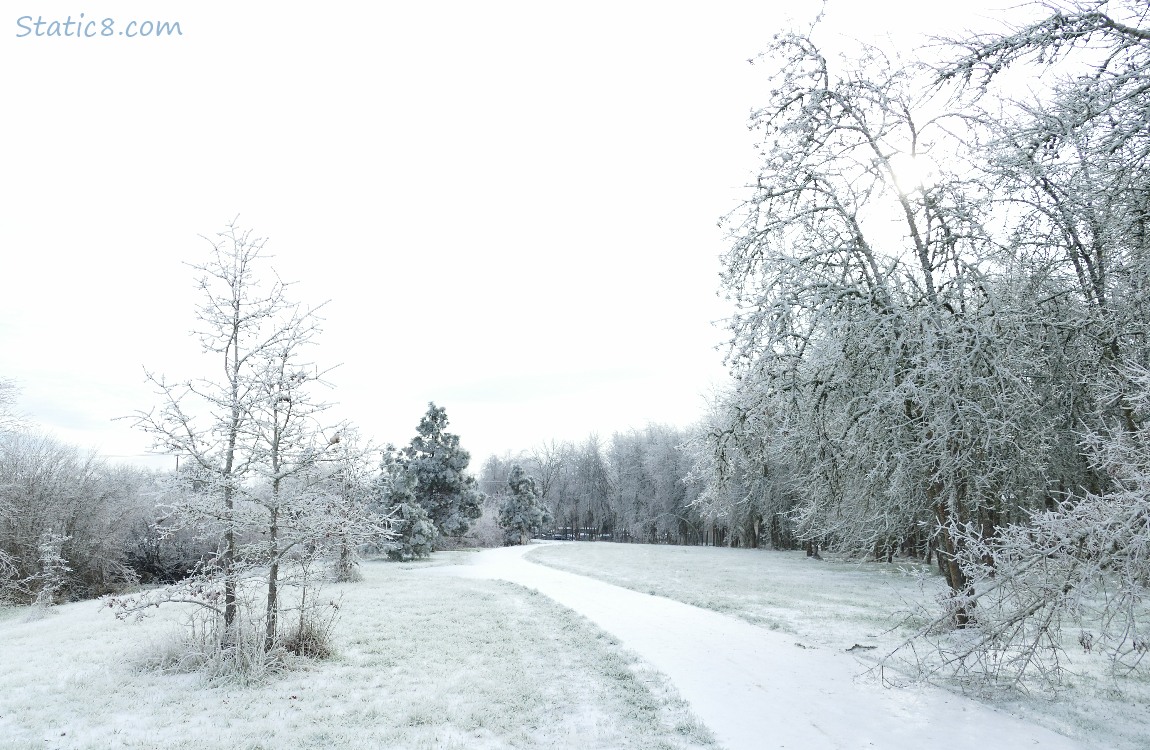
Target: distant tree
[(548, 461), (742, 466), (438, 464), (395, 492), (591, 479), (10, 419), (349, 480), (496, 469), (54, 569), (553, 464), (522, 513), (53, 494)]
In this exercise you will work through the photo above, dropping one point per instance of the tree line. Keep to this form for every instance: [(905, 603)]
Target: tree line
[(633, 488)]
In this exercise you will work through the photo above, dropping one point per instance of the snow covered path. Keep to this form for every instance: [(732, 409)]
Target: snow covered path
[(754, 688)]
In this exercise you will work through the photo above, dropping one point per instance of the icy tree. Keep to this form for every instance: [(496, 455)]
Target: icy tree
[(743, 469), (10, 419), (52, 577), (292, 444), (1085, 563), (395, 492), (52, 490), (547, 463), (252, 443), (650, 499), (349, 481), (10, 583), (1070, 167), (588, 491), (522, 513), (438, 465), (209, 422), (869, 336), (630, 488)]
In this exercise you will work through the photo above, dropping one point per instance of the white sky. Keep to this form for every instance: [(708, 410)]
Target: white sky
[(512, 206)]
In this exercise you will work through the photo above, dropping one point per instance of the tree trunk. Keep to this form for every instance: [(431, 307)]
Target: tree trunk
[(229, 560), (273, 581), (960, 588)]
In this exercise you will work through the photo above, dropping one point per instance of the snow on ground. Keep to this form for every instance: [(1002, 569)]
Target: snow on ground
[(755, 688), (836, 603), (422, 663), (435, 661)]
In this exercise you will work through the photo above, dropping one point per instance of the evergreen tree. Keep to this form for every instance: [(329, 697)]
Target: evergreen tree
[(522, 513), (436, 462), (416, 534)]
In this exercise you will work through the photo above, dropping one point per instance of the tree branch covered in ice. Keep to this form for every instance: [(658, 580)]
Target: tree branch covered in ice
[(942, 301)]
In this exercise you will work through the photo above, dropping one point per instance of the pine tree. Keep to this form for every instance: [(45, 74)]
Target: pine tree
[(395, 490), (522, 513), (437, 463)]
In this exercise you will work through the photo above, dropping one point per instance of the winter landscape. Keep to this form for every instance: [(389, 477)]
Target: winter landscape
[(439, 445)]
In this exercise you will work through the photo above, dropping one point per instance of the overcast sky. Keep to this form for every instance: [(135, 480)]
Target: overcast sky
[(511, 206)]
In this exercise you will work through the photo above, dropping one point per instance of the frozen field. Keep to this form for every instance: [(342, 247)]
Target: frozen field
[(835, 604), (439, 661), (423, 662)]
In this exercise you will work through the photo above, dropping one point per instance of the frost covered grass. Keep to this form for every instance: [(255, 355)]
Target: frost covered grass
[(868, 604), (837, 603), (421, 662)]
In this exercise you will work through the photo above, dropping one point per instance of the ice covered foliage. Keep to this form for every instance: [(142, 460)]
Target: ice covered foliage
[(53, 491), (922, 358), (258, 461), (1072, 164), (395, 491), (10, 418), (1084, 564), (522, 513), (54, 568), (869, 347), (438, 465)]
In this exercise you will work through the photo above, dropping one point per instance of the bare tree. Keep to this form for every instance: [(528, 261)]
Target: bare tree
[(291, 443), (252, 442), (209, 422)]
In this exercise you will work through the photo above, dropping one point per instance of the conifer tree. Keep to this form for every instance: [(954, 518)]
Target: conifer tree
[(395, 490), (522, 513), (437, 463)]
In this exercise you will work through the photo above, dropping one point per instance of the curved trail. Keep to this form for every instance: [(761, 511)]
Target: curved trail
[(754, 688)]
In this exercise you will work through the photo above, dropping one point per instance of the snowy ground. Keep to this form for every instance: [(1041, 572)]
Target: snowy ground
[(832, 605), (423, 662), (756, 688), (428, 660)]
